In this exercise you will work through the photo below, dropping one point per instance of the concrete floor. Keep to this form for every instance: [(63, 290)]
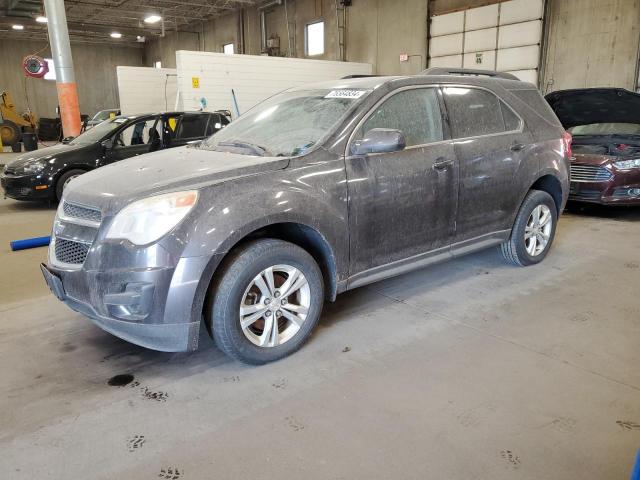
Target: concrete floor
[(467, 370)]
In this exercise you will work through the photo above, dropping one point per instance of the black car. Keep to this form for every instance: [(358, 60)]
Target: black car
[(318, 190), (43, 174)]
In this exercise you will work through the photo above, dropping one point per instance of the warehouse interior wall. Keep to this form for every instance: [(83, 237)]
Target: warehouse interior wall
[(592, 43), (164, 49), (95, 70)]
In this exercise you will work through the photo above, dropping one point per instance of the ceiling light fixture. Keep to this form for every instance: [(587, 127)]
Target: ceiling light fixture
[(17, 27), (152, 19), (41, 19), (116, 35)]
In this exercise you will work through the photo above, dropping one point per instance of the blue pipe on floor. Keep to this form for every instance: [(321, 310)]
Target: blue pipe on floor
[(30, 243)]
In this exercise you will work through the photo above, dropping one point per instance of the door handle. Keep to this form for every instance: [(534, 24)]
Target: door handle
[(516, 147), (442, 163)]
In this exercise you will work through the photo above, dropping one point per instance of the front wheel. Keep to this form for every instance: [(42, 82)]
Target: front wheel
[(64, 180), (266, 301), (533, 230)]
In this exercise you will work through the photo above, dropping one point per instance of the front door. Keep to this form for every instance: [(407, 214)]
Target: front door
[(138, 138), (402, 204)]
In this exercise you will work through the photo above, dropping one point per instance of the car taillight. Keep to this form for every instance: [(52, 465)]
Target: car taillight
[(566, 143)]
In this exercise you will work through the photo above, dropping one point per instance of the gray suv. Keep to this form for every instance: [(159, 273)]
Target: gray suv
[(317, 190)]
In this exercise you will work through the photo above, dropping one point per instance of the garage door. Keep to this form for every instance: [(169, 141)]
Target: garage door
[(505, 36)]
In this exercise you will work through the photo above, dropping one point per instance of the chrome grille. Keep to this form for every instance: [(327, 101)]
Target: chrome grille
[(71, 252), (83, 213), (589, 173)]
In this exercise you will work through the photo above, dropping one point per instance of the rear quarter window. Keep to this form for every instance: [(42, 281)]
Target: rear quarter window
[(539, 105)]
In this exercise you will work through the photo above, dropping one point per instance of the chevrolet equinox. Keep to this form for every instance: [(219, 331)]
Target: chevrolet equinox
[(317, 190)]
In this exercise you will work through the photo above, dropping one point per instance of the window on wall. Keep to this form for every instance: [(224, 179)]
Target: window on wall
[(228, 49), (314, 35), (157, 64)]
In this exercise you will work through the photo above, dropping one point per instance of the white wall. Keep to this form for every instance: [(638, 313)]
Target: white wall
[(252, 77), (146, 89)]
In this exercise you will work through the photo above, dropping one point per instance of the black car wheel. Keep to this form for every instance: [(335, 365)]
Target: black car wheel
[(64, 180), (533, 230), (266, 301)]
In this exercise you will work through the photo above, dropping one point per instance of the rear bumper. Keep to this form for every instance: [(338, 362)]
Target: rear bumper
[(158, 308), (27, 187)]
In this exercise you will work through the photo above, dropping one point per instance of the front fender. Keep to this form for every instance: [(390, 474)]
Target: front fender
[(313, 195)]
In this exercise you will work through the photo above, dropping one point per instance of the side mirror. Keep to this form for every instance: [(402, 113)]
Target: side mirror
[(379, 140), (107, 144)]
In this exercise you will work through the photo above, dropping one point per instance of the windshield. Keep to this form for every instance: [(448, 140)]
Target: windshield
[(288, 124), (606, 129), (98, 132)]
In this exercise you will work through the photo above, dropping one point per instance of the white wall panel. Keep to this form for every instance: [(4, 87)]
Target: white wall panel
[(519, 58), (447, 24), (446, 45), (253, 78), (480, 40), (454, 61), (146, 89), (482, 17), (530, 76), (516, 11), (520, 34), (482, 60)]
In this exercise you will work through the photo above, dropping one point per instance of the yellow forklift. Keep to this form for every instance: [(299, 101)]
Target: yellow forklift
[(13, 125)]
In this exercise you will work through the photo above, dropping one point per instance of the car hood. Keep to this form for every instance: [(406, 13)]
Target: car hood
[(48, 153), (112, 187), (595, 105)]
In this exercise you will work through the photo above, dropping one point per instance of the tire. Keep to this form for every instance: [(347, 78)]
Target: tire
[(10, 133), (519, 251), (64, 179), (237, 285)]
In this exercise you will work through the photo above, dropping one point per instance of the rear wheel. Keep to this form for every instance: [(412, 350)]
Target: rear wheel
[(64, 180), (533, 231), (266, 301)]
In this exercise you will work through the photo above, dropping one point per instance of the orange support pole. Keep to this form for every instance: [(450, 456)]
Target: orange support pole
[(69, 109)]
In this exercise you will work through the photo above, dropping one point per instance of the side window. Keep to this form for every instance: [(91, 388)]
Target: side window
[(192, 126), (140, 133), (475, 112), (415, 112), (216, 122)]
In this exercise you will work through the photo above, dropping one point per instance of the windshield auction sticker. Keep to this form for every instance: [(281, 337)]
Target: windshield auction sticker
[(345, 94)]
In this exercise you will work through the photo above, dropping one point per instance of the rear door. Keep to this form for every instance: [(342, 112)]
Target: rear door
[(490, 144), (191, 127), (402, 204)]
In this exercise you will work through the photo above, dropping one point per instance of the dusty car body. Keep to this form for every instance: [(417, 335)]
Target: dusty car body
[(605, 125), (291, 222)]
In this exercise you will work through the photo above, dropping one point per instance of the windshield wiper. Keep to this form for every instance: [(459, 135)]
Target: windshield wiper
[(257, 149)]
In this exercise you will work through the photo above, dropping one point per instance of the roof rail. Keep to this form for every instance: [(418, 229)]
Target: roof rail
[(468, 71), (358, 76)]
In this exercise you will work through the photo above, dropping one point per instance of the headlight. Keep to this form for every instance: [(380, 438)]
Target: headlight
[(627, 164), (147, 220), (34, 166)]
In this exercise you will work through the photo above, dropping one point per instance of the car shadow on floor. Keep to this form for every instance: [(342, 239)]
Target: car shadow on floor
[(27, 207)]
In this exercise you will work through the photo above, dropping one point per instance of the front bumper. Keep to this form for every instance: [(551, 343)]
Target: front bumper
[(595, 179), (27, 187), (157, 308)]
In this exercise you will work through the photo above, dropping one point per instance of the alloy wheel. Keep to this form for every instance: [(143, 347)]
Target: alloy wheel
[(274, 306), (538, 230)]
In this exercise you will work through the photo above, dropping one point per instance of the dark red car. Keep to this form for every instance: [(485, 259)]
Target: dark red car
[(605, 124)]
